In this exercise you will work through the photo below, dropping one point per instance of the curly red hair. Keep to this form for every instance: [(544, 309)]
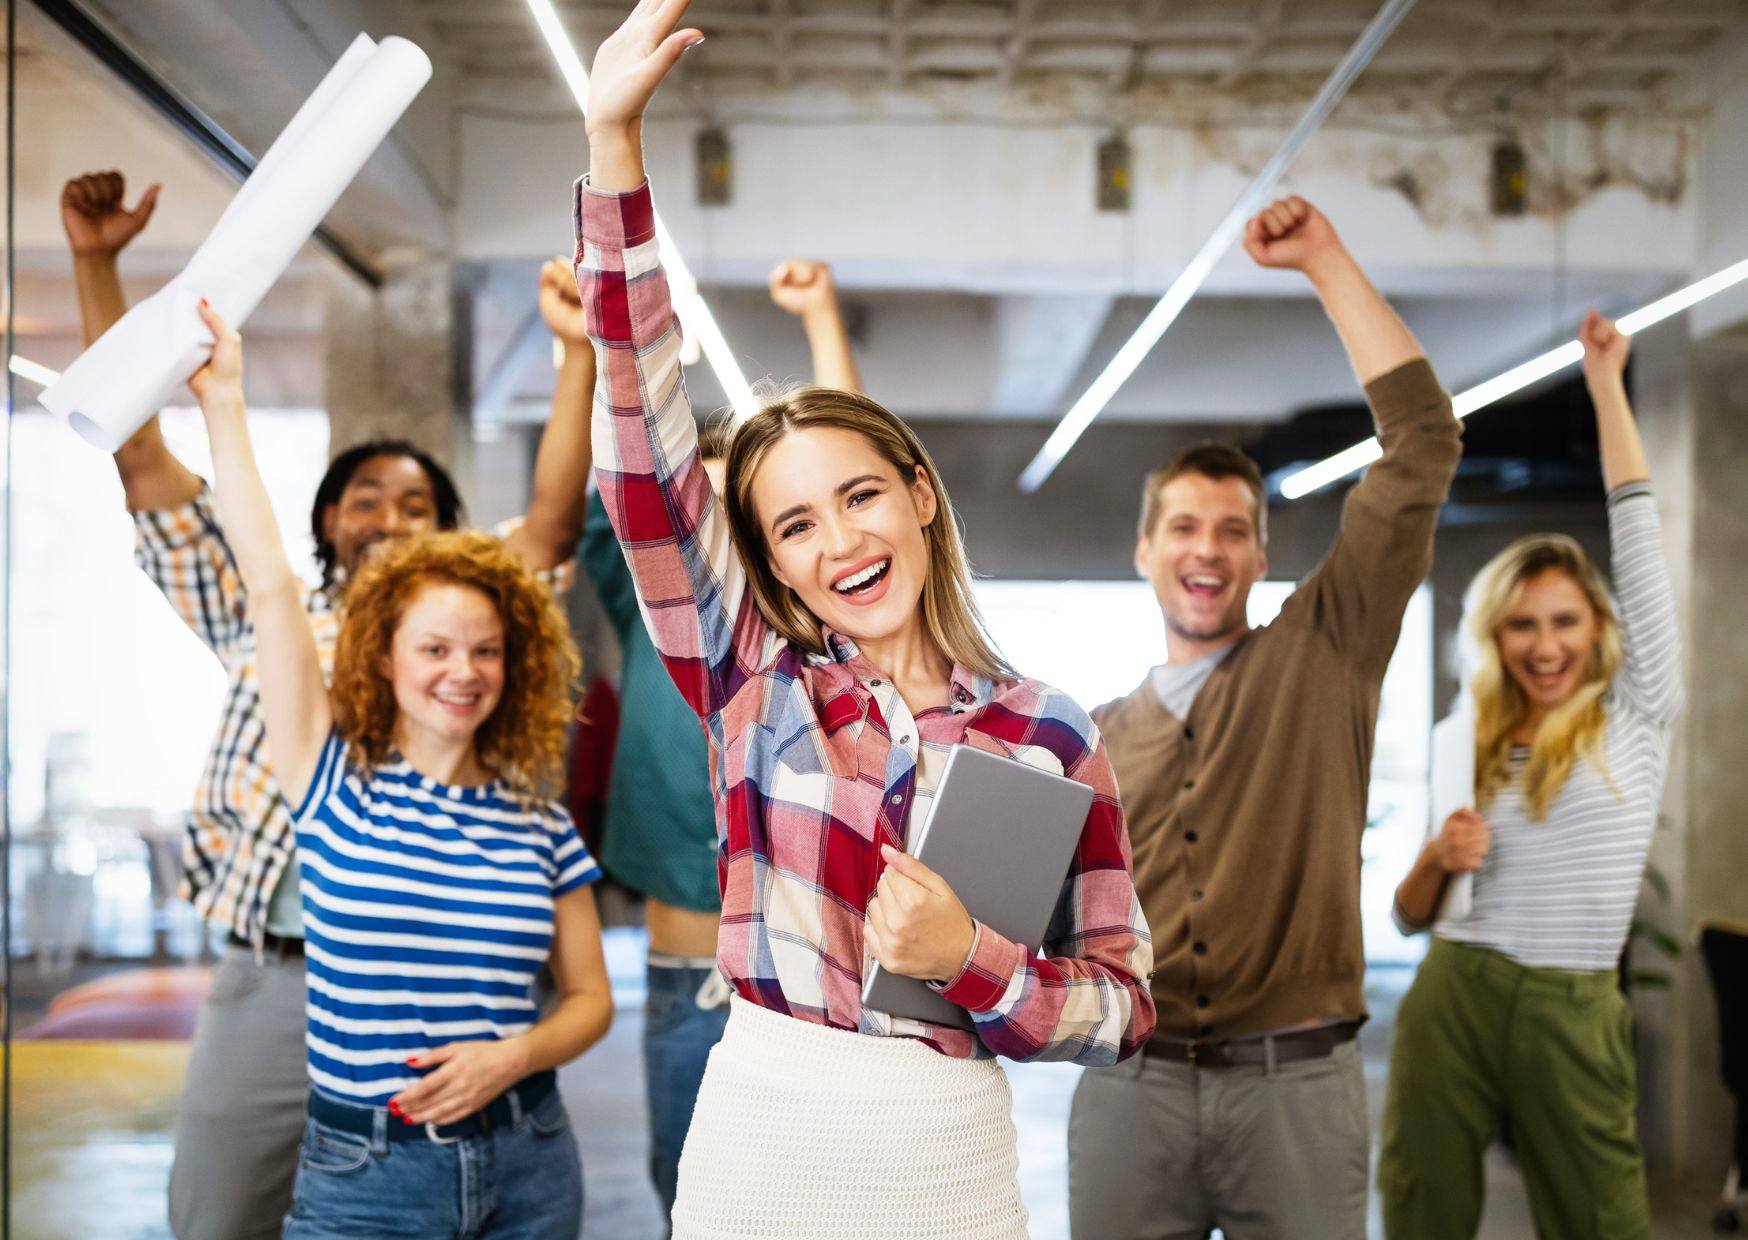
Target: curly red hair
[(523, 740)]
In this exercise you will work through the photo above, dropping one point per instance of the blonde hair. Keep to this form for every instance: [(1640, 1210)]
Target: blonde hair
[(1572, 730), (949, 610), (523, 740)]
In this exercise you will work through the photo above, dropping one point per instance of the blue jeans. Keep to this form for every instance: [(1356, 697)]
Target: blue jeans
[(677, 1037), (522, 1181)]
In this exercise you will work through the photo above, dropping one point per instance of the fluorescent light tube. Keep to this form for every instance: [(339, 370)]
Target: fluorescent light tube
[(1333, 469), (688, 303), (1117, 372)]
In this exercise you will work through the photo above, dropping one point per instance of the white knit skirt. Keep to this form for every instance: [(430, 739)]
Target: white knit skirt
[(807, 1131)]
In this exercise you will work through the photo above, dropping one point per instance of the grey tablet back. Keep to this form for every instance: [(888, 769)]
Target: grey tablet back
[(1003, 835)]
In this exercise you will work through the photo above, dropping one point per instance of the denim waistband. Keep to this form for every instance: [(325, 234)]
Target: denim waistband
[(504, 1111)]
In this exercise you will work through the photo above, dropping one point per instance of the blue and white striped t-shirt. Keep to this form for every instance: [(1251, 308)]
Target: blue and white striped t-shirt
[(427, 913)]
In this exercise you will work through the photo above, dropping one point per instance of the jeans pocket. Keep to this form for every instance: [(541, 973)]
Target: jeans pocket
[(664, 1009), (550, 1118), (332, 1152)]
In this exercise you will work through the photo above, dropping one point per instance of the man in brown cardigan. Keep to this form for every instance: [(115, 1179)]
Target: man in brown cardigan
[(1243, 765)]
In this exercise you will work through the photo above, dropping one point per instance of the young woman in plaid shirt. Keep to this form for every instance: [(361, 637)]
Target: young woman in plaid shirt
[(818, 618)]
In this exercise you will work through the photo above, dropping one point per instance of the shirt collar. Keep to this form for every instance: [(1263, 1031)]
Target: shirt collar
[(844, 673)]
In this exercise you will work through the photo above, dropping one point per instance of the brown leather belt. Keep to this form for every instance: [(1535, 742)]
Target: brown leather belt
[(1292, 1047)]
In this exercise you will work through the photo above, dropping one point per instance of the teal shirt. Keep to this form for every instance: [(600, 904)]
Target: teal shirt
[(660, 828)]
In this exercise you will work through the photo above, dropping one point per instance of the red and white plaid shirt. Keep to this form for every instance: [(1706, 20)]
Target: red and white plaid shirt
[(808, 778)]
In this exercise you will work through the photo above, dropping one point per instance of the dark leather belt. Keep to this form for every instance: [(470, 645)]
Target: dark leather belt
[(361, 1121), (271, 945), (1299, 1044)]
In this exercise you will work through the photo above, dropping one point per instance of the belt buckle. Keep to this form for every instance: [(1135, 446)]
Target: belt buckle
[(432, 1135), (1191, 1050)]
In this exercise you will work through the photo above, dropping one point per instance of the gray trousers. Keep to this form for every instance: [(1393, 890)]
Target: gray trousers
[(242, 1112), (1162, 1150)]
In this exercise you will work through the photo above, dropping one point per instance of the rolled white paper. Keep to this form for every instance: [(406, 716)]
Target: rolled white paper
[(136, 366), (1453, 788)]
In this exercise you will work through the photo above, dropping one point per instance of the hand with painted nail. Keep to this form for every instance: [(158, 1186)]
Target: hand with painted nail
[(468, 1075), (218, 385), (915, 925)]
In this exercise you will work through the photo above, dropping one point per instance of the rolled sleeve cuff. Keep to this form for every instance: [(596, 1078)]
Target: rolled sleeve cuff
[(1405, 924), (987, 973), (613, 221)]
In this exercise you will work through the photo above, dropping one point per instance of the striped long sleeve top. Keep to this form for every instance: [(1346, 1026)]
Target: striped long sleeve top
[(1559, 893), (815, 762)]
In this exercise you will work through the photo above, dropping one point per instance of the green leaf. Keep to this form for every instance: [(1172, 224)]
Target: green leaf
[(1660, 939), (1655, 880)]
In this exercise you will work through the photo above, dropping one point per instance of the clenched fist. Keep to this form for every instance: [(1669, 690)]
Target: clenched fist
[(97, 224), (1462, 843), (561, 306), (803, 286), (1290, 233), (1605, 348)]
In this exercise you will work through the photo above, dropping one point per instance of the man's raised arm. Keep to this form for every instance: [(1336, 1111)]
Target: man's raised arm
[(98, 229)]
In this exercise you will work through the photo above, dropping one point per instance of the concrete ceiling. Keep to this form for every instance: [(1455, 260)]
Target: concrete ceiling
[(937, 340), (1459, 58)]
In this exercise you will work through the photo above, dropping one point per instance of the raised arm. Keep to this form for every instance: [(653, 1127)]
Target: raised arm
[(1291, 233), (1605, 375), (1384, 547), (548, 536), (690, 583), (98, 229), (294, 697), (1651, 676), (804, 288)]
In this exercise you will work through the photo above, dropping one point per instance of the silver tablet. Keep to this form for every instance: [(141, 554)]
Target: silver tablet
[(1003, 835)]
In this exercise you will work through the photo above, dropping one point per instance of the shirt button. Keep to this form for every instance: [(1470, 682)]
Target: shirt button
[(1194, 895), (1202, 1001), (1189, 733), (1189, 783), (1191, 836), (1204, 1030), (897, 798), (873, 684), (1201, 948), (904, 740)]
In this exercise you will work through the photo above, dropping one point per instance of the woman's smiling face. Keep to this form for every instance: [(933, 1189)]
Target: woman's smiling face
[(1548, 639), (844, 530)]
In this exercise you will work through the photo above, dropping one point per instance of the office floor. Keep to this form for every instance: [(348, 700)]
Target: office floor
[(91, 1132)]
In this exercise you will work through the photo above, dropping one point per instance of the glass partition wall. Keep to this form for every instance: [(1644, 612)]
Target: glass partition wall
[(111, 700)]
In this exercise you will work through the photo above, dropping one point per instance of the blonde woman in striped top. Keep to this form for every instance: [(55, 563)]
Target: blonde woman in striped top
[(1516, 1014)]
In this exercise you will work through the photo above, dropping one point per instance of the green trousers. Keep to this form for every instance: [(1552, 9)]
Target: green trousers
[(1481, 1039)]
